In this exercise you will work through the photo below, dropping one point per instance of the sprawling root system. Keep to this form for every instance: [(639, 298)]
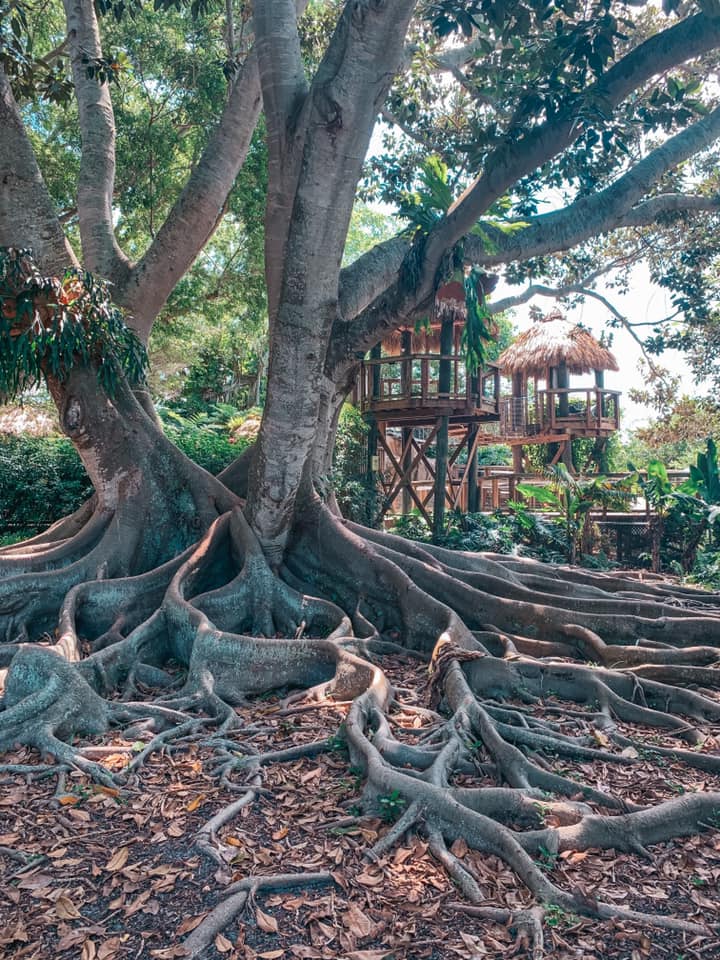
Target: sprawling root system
[(174, 648)]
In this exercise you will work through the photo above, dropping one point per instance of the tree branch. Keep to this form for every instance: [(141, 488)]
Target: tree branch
[(608, 209), (96, 180), (27, 213), (282, 75), (200, 206), (513, 160), (516, 159), (389, 117), (365, 278)]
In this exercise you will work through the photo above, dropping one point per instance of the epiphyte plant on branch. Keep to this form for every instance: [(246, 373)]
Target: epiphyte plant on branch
[(249, 581), (47, 325)]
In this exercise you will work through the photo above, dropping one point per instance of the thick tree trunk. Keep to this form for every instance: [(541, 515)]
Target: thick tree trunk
[(150, 504)]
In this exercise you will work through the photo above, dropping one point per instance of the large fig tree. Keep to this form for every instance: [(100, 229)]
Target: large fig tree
[(250, 581)]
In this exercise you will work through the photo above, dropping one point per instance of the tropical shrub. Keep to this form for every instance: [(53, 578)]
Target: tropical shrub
[(355, 492), (42, 479), (515, 530)]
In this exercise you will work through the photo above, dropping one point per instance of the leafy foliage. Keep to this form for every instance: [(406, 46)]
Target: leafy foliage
[(574, 498), (704, 478), (679, 520), (477, 332), (515, 530), (41, 480), (47, 326), (205, 437), (356, 493), (31, 74)]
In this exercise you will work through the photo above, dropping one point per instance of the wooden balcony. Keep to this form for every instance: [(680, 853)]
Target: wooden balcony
[(578, 412), (406, 389)]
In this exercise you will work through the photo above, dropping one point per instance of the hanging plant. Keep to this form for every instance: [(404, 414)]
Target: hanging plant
[(49, 325)]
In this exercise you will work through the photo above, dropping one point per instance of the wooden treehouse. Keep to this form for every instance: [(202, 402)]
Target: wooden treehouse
[(542, 406), (425, 411)]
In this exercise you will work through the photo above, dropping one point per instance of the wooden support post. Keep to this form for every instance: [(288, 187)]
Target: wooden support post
[(406, 392), (406, 365), (600, 386), (563, 382), (517, 458), (473, 493), (405, 464), (376, 354), (517, 420), (441, 460), (446, 349)]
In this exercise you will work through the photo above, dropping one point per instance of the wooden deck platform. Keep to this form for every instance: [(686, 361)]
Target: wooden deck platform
[(405, 390)]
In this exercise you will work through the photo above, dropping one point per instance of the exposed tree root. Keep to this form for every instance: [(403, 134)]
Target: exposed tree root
[(241, 895), (528, 664)]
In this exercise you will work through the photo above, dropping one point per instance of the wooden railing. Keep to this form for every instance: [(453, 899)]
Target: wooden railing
[(415, 381), (592, 409)]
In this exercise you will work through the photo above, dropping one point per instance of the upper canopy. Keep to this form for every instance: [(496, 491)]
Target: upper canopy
[(551, 341)]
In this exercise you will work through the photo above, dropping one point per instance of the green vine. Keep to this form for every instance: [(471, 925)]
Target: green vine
[(50, 325), (478, 329)]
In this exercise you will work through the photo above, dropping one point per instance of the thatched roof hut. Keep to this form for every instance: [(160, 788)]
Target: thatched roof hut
[(553, 341)]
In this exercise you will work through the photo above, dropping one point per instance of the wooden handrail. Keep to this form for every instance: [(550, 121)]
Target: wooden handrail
[(400, 358)]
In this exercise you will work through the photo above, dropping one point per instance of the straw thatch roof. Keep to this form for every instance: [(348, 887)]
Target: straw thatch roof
[(550, 341)]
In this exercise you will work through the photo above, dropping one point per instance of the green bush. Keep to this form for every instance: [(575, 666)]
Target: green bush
[(42, 479), (513, 531), (208, 449), (356, 493)]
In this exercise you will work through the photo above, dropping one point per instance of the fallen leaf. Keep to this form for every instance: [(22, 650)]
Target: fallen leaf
[(368, 955), (265, 921), (67, 800), (280, 835), (118, 860), (194, 804), (109, 948), (66, 909), (222, 944), (187, 925), (601, 739), (89, 950), (272, 954), (326, 930), (358, 922), (115, 761), (459, 847)]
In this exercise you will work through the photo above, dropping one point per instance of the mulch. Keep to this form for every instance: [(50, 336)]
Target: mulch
[(115, 874)]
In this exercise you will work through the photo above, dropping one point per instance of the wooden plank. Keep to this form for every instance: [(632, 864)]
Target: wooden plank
[(536, 438)]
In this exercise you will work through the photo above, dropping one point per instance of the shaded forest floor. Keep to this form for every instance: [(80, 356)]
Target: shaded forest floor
[(98, 874)]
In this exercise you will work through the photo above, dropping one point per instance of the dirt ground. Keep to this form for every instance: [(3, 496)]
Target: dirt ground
[(101, 874)]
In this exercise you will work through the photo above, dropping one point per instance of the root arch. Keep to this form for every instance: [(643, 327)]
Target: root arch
[(529, 671)]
